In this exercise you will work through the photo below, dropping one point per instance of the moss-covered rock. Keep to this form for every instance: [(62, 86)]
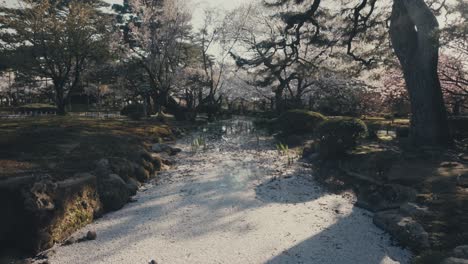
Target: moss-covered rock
[(113, 192)]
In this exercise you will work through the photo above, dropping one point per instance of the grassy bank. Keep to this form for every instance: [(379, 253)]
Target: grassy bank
[(59, 173)]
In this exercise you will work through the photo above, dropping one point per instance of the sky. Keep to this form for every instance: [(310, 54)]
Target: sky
[(198, 5)]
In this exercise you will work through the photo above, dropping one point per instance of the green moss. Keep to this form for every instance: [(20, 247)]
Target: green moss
[(78, 211)]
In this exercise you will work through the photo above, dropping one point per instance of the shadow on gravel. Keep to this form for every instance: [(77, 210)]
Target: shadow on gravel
[(345, 243)]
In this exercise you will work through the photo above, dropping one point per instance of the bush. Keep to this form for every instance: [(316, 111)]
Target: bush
[(337, 136), (133, 111), (299, 121)]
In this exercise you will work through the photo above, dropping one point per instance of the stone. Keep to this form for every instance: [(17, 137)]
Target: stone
[(461, 252), (387, 197), (159, 147), (113, 192), (462, 180), (453, 260), (132, 186), (153, 262), (414, 210), (91, 235), (122, 167), (102, 168), (405, 229), (141, 174), (309, 149), (175, 151), (69, 241), (399, 193)]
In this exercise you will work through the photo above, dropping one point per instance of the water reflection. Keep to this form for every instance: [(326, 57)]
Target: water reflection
[(235, 132)]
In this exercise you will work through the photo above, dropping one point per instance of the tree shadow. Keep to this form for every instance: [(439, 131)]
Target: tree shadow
[(353, 239)]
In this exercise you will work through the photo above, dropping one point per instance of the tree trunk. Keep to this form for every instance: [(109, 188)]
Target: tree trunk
[(279, 101), (415, 40), (60, 101)]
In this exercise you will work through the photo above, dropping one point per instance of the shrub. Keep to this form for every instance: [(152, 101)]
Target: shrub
[(265, 123), (299, 121), (336, 136), (133, 111)]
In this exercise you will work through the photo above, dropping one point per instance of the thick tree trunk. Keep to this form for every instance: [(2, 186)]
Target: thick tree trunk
[(415, 40)]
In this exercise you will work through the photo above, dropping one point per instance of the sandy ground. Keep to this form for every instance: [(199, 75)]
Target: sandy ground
[(237, 202)]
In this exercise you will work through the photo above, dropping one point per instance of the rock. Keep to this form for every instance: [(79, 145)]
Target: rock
[(102, 168), (389, 196), (405, 229), (41, 195), (141, 174), (175, 151), (122, 167), (462, 180), (414, 210), (132, 186), (397, 193), (149, 166), (159, 147), (69, 241), (461, 252), (113, 192), (153, 262), (91, 235), (309, 149), (455, 261)]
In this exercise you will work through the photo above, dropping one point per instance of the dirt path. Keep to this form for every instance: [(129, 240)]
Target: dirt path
[(237, 202)]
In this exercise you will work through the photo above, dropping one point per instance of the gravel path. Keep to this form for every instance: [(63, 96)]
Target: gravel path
[(237, 202)]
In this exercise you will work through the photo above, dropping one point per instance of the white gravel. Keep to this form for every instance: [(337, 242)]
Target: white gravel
[(238, 202)]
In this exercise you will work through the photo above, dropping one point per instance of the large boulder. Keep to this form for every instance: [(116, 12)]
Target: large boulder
[(405, 229), (114, 192), (461, 252)]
